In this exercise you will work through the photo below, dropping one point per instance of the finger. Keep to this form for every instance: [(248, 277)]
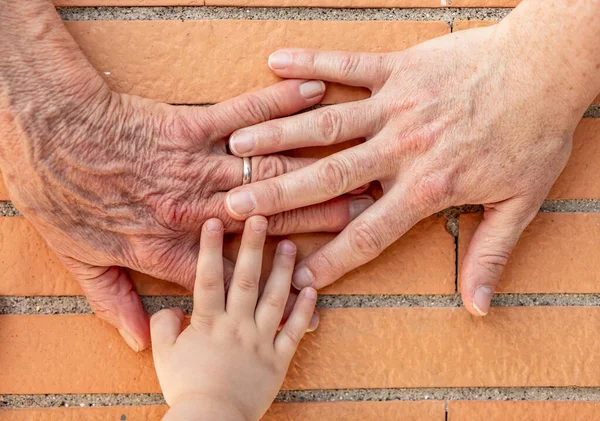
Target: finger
[(209, 290), (243, 292), (275, 295), (113, 298), (331, 216), (297, 325), (324, 180), (262, 168), (360, 242), (281, 99), (165, 328), (325, 126), (489, 251), (356, 69)]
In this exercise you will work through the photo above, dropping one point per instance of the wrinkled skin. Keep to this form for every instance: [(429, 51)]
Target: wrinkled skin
[(112, 180), (461, 119)]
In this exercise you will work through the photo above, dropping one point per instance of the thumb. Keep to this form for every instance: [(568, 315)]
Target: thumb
[(165, 328), (113, 298), (490, 249)]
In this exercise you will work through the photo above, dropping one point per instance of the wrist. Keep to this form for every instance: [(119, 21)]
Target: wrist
[(204, 410), (552, 47)]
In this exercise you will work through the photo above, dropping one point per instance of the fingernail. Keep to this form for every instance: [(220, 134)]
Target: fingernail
[(130, 340), (314, 322), (258, 225), (359, 205), (312, 89), (241, 202), (242, 142), (214, 225), (280, 60), (287, 247), (310, 293), (302, 278), (482, 299)]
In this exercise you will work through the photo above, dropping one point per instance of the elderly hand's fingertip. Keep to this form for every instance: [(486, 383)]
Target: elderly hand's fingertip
[(302, 278), (130, 340)]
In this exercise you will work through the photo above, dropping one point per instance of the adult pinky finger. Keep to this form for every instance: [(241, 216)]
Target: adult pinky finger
[(297, 325)]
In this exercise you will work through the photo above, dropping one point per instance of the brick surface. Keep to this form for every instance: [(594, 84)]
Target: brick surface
[(330, 411), (3, 191), (426, 256), (557, 253), (353, 348), (294, 3), (209, 61), (530, 411)]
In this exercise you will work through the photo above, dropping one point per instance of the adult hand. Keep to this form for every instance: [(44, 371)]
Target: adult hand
[(471, 117), (112, 180)]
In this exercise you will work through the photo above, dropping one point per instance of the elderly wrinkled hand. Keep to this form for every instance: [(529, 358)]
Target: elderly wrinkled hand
[(459, 119), (112, 180)]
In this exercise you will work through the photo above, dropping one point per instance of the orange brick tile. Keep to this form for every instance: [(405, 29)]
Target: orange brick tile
[(382, 348), (209, 61), (530, 411), (581, 177), (327, 3), (331, 411), (461, 25), (557, 253), (123, 3), (425, 254), (3, 191)]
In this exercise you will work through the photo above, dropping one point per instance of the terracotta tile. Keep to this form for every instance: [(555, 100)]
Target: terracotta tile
[(557, 253), (209, 61), (353, 348), (122, 3), (327, 3), (3, 191), (484, 3), (530, 411), (461, 25), (425, 254), (581, 177), (331, 411)]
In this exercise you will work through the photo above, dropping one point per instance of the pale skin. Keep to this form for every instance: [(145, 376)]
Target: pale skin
[(230, 362), (115, 181), (482, 116)]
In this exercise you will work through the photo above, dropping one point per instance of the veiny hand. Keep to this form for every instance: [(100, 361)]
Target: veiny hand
[(112, 180), (460, 119), (230, 362)]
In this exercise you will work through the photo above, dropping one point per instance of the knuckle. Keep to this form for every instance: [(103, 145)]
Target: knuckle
[(274, 301), (293, 335), (276, 194), (493, 261), (334, 176), (434, 190), (329, 266), (206, 323), (329, 123), (366, 241), (252, 108), (269, 167), (246, 283), (283, 223), (210, 281), (348, 65)]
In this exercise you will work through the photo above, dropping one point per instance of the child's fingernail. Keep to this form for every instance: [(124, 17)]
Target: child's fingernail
[(129, 340), (214, 225), (258, 225), (287, 247), (314, 322), (302, 278)]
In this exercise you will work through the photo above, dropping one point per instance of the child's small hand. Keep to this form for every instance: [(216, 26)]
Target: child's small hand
[(230, 362)]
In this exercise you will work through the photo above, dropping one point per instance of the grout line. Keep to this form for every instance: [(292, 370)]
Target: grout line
[(448, 15), (576, 394), (78, 304)]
